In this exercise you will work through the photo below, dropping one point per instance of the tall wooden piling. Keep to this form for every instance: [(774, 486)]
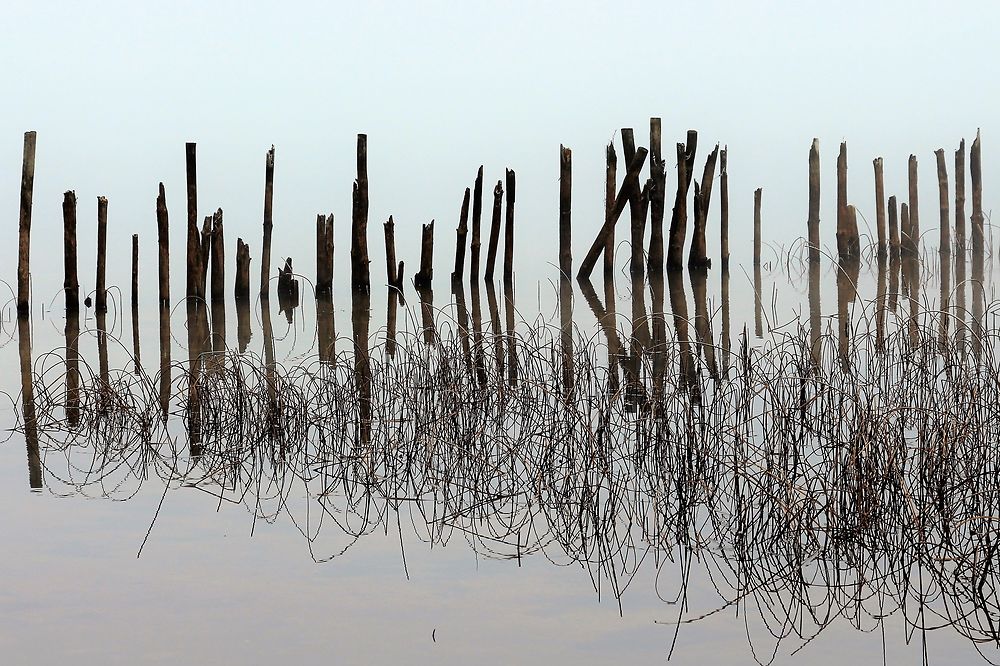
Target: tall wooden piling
[(135, 304), (360, 278), (324, 254), (205, 252), (942, 176), (600, 243), (425, 276), (163, 247), (678, 219), (657, 199), (461, 236), (913, 227), (71, 282), (477, 223), (491, 251), (756, 225), (848, 239), (193, 235), (698, 256), (814, 201), (565, 213), (976, 174), (241, 287), (960, 199), (265, 248), (894, 242), (218, 260), (724, 208), (101, 294), (508, 230), (24, 225), (392, 278), (610, 188), (880, 206)]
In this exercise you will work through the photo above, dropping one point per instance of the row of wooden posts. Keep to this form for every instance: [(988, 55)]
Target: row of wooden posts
[(898, 233)]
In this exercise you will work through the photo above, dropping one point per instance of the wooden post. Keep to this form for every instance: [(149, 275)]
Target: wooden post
[(193, 237), (163, 245), (913, 228), (698, 256), (491, 251), (657, 198), (610, 187), (392, 278), (724, 209), (425, 275), (905, 242), (848, 240), (135, 304), (814, 191), (218, 252), (101, 295), (976, 174), (631, 182), (461, 236), (960, 198), (477, 222), (894, 243), (565, 212), (756, 226), (880, 206), (508, 234), (359, 221), (678, 219), (205, 247), (242, 285), (24, 225), (942, 174), (71, 283), (324, 254), (265, 251)]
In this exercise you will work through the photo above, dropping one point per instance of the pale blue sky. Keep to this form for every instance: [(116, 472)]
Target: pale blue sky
[(116, 88)]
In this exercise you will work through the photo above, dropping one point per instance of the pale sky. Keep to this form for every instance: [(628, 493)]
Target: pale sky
[(114, 89)]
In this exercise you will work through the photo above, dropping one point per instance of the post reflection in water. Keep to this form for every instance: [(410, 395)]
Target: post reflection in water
[(678, 305), (427, 323), (703, 320), (198, 344), (72, 368), (961, 311), (911, 283), (477, 333), (978, 287), (360, 324), (880, 305), (325, 329), (28, 403), (944, 313), (659, 331), (512, 365), (243, 331), (727, 343), (639, 342), (848, 271), (462, 311), (815, 316), (496, 328), (758, 306), (608, 326), (566, 335), (165, 361)]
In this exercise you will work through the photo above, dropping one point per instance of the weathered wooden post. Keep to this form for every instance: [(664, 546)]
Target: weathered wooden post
[(491, 251), (848, 239), (756, 226), (942, 175), (657, 198), (24, 225), (425, 276), (880, 206), (906, 243), (698, 256), (814, 201), (610, 187), (678, 219), (193, 237), (241, 287), (265, 252), (565, 213), (894, 242), (477, 223), (163, 245), (724, 211), (461, 236), (508, 235), (101, 294), (71, 283), (206, 255), (913, 226), (135, 304), (960, 199), (976, 174), (360, 278), (324, 254), (392, 278), (218, 251)]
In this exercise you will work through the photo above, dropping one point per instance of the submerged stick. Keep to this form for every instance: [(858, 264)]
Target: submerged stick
[(71, 282), (24, 225)]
